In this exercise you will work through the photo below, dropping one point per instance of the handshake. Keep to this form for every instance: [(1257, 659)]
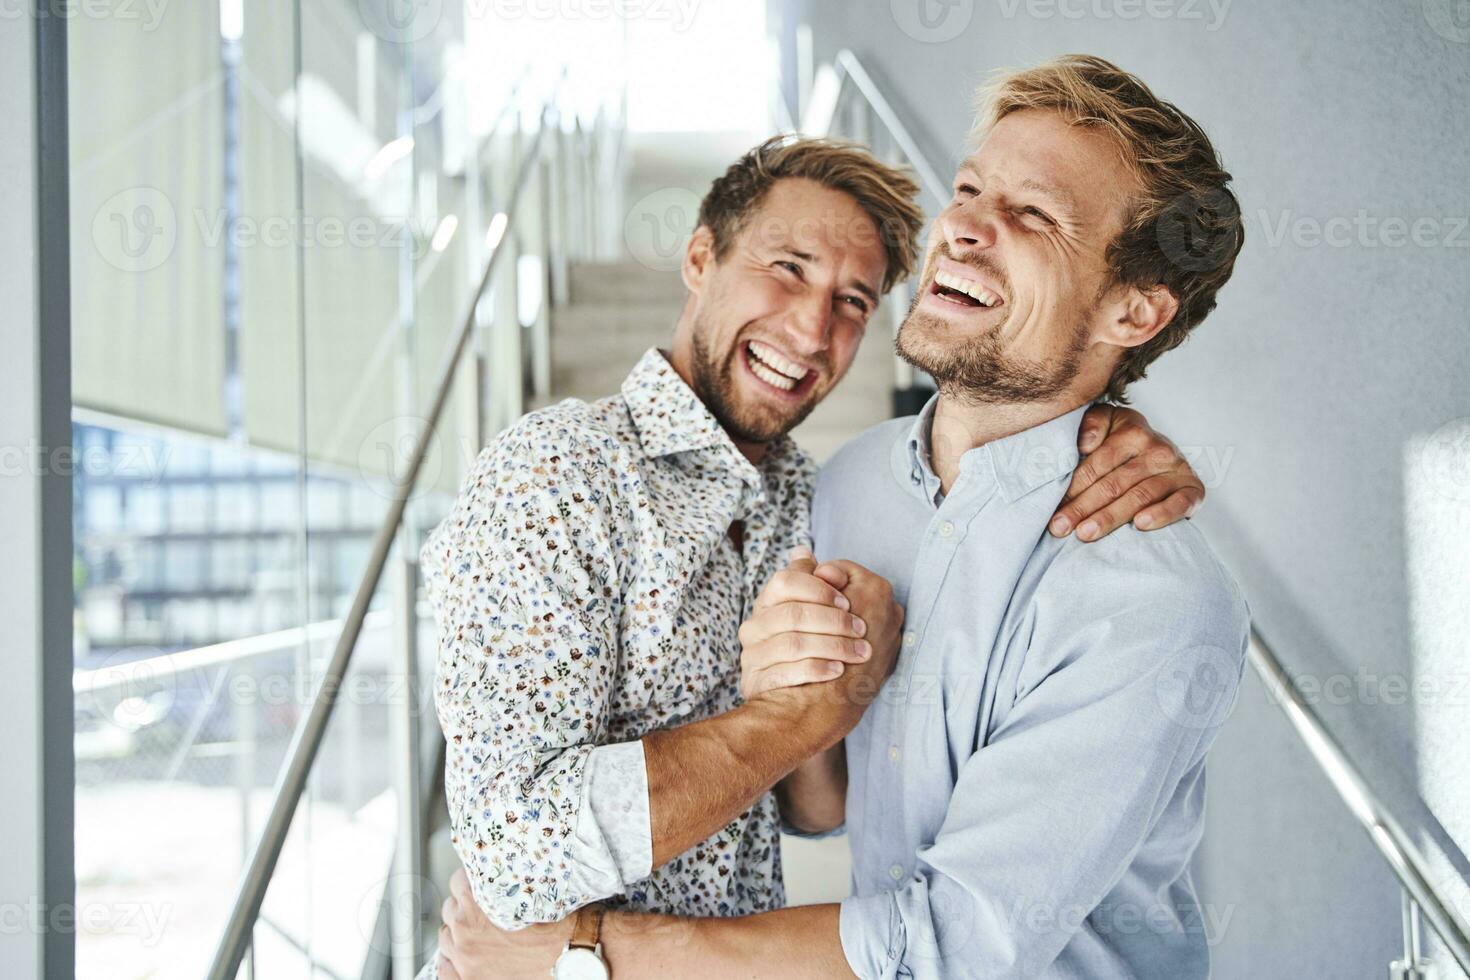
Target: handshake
[(823, 635)]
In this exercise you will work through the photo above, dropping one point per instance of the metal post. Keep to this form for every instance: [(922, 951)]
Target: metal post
[(247, 744), (539, 227), (507, 394), (1411, 965), (558, 243), (404, 892)]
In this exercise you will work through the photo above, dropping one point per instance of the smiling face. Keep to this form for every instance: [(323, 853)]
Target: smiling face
[(1015, 303), (775, 322)]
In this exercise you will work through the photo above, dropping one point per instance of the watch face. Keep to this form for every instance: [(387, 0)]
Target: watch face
[(579, 963)]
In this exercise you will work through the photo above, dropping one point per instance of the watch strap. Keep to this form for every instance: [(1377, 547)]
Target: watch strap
[(587, 927)]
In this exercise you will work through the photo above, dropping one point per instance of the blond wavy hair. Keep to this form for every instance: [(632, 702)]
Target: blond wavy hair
[(885, 193), (1184, 230)]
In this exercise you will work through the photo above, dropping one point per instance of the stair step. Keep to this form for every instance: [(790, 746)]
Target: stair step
[(628, 281), (616, 318)]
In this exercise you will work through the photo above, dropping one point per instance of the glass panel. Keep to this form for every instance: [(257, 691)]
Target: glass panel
[(189, 522)]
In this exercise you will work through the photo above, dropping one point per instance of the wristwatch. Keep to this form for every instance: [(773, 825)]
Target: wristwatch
[(582, 958)]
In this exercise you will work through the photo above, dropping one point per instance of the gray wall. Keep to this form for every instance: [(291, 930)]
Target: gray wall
[(1328, 399)]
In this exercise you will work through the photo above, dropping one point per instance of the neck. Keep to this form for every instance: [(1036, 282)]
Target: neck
[(961, 424), (680, 359)]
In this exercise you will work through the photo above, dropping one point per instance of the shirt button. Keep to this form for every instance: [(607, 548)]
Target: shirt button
[(909, 639), (893, 753), (946, 529), (896, 872)]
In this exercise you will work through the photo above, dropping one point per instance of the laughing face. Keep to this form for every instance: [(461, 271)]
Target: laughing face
[(1015, 294), (777, 320)]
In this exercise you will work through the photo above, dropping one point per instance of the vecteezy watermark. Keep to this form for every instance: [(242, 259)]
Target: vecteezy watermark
[(1363, 230), (133, 688), (401, 21), (679, 13), (407, 899), (1450, 19), (1197, 687), (932, 21), (1366, 687), (147, 13), (138, 229), (308, 231), (1210, 13), (1124, 918), (144, 920), (1444, 459), (658, 227), (385, 457), (143, 462), (1199, 231)]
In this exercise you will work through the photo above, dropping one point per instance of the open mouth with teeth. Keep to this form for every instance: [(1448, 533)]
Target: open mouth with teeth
[(962, 291), (776, 369)]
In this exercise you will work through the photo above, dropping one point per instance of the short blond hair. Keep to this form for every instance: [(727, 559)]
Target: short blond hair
[(885, 193), (1185, 230)]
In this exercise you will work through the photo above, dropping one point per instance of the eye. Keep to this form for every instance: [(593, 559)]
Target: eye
[(790, 267), (858, 302), (965, 190), (1035, 212)]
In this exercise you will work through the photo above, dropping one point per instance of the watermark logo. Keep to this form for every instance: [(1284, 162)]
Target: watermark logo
[(1210, 13), (1198, 231), (932, 21), (1196, 688), (658, 227), (401, 21), (131, 689), (1363, 230), (149, 13), (679, 13), (1444, 459), (136, 229), (144, 922), (408, 900), (385, 457), (1450, 19)]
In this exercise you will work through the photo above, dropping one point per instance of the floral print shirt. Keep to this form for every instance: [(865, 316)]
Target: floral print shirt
[(587, 592)]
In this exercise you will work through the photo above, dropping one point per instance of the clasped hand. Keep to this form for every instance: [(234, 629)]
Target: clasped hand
[(836, 621)]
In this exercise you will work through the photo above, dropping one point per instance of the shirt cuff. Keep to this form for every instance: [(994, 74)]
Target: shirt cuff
[(614, 834), (791, 830), (872, 935)]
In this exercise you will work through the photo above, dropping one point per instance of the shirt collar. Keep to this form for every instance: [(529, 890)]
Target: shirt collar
[(1019, 463), (671, 418)]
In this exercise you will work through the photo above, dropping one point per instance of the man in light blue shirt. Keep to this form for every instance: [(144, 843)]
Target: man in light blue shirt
[(1024, 791)]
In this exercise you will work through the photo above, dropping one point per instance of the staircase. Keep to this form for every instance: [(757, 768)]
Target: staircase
[(620, 309)]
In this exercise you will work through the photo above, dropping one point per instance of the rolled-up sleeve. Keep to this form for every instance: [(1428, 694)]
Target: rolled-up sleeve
[(524, 584), (1127, 675)]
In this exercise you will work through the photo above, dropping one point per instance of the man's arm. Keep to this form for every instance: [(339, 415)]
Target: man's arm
[(1129, 473), (784, 643), (777, 731)]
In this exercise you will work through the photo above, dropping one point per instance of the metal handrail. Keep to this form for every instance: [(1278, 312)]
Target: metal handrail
[(846, 66), (308, 739), (1387, 835)]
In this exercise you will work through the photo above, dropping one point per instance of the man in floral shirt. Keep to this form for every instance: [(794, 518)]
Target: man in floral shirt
[(590, 583)]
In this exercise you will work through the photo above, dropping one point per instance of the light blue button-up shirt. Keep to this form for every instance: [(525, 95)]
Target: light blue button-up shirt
[(1027, 789)]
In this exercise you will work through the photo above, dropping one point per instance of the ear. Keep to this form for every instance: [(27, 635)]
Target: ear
[(1141, 314), (699, 259)]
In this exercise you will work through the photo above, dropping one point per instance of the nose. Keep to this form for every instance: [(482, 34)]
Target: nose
[(968, 227), (808, 323)]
